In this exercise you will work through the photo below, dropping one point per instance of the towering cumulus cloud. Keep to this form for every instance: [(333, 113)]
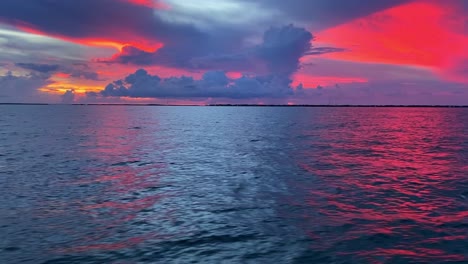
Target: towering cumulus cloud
[(279, 53), (283, 47)]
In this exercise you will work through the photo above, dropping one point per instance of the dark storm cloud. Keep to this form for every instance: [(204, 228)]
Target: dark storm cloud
[(124, 22), (44, 68), (21, 88), (115, 20), (80, 71), (279, 52), (214, 84), (132, 55), (185, 45), (68, 97), (283, 47), (85, 18), (326, 13), (181, 53), (82, 74)]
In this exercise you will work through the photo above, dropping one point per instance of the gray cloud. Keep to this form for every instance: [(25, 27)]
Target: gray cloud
[(283, 47), (67, 18), (219, 37), (385, 92), (279, 53), (274, 90), (214, 84), (22, 89), (68, 97), (180, 54), (90, 18), (184, 21), (24, 47), (44, 68), (324, 50), (79, 70), (326, 13)]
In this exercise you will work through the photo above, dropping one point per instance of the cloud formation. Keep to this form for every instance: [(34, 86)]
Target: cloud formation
[(68, 97), (221, 39), (326, 13), (92, 22), (80, 71), (214, 84), (44, 68), (279, 53), (22, 89), (283, 47)]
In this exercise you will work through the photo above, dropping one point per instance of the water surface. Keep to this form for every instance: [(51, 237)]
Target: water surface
[(129, 184)]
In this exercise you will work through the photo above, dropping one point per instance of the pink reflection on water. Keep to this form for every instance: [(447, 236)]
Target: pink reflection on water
[(106, 246), (387, 181)]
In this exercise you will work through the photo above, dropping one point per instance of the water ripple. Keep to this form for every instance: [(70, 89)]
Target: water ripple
[(117, 184)]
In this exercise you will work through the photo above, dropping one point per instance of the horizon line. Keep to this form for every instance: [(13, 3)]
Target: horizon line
[(251, 105)]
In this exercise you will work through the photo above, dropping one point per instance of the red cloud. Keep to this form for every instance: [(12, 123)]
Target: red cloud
[(419, 33), (117, 41), (149, 3)]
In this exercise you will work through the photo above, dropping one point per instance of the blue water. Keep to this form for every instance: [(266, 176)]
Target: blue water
[(129, 184)]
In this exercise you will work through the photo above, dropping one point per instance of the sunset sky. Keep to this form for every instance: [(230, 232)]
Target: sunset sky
[(234, 51)]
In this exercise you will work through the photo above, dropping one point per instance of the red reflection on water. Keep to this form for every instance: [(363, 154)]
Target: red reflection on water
[(388, 177), (137, 204), (417, 253)]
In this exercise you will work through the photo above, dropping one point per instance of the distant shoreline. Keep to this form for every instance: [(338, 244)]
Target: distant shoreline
[(253, 105)]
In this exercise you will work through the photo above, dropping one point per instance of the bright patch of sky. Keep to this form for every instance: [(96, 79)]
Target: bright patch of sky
[(25, 46), (210, 14)]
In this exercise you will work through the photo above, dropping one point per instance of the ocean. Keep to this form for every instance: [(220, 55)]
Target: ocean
[(172, 184)]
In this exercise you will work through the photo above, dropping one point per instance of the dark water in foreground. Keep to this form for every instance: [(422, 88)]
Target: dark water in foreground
[(123, 184)]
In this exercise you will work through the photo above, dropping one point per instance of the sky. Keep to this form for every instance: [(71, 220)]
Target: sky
[(234, 51)]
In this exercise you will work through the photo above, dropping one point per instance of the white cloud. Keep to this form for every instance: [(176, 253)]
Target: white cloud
[(209, 14)]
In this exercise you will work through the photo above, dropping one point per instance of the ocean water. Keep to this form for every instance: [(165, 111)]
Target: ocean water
[(129, 184)]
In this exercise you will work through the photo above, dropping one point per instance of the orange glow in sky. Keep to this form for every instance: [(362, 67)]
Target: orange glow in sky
[(59, 88), (62, 82)]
